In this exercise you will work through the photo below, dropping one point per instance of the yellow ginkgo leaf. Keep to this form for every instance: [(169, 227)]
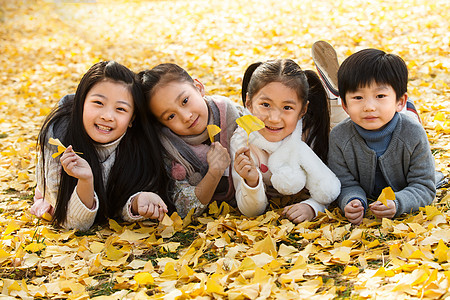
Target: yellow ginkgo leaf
[(386, 194), (212, 131), (34, 247), (250, 123), (440, 116), (61, 147), (144, 278)]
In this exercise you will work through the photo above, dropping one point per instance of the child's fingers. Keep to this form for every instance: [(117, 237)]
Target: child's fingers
[(163, 206), (353, 215), (286, 209), (358, 220), (69, 149), (352, 209), (241, 151), (161, 217)]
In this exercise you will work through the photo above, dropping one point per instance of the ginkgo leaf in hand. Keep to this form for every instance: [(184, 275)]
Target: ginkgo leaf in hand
[(212, 131), (61, 147), (386, 194), (250, 123)]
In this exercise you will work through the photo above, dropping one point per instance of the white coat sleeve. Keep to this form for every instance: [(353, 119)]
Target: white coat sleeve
[(250, 201)]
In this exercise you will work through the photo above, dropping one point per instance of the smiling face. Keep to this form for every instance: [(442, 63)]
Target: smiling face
[(108, 111), (180, 107), (279, 108), (373, 106)]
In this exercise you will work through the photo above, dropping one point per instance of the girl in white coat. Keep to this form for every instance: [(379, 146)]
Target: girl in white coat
[(278, 159)]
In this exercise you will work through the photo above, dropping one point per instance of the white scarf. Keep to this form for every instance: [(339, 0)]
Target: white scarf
[(294, 165)]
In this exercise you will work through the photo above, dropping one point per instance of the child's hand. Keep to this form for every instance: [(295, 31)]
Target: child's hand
[(218, 159), (299, 212), (75, 166), (382, 211), (354, 211), (149, 205), (245, 167)]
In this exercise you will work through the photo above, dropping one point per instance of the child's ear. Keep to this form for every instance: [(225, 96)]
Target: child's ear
[(344, 107), (131, 121), (200, 87), (248, 103), (401, 102), (304, 110)]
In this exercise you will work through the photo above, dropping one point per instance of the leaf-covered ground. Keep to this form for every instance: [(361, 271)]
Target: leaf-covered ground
[(45, 48)]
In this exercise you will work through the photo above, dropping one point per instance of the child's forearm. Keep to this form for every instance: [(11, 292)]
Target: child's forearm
[(85, 191), (207, 186)]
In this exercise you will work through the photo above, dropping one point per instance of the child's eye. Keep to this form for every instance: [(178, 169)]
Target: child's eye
[(170, 117), (265, 104), (185, 100), (97, 102), (287, 107), (357, 97), (121, 109), (381, 96)]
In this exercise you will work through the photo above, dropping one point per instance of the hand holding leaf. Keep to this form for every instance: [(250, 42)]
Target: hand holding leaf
[(61, 147), (212, 131), (250, 123), (386, 194)]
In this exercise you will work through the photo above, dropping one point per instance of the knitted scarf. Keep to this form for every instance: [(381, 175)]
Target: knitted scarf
[(189, 151)]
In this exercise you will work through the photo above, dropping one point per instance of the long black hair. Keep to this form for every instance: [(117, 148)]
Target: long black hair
[(307, 85), (138, 164)]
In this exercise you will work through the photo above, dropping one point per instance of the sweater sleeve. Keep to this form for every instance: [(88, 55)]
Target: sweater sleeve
[(78, 215), (316, 206), (185, 199), (126, 213), (421, 189), (350, 187), (250, 201)]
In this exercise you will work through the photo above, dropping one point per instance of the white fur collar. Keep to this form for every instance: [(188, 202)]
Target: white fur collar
[(294, 166), (258, 140)]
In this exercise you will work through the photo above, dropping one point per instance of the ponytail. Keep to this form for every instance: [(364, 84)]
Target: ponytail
[(245, 81), (316, 122)]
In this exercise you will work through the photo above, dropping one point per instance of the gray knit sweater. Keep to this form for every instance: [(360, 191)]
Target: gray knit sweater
[(407, 165)]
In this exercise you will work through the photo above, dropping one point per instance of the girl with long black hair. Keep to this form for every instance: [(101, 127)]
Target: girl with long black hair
[(117, 168)]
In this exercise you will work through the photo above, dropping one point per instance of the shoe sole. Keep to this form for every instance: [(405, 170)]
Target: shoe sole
[(325, 59)]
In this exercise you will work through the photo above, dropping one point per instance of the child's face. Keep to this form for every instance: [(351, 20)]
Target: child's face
[(108, 111), (373, 106), (279, 108), (180, 107)]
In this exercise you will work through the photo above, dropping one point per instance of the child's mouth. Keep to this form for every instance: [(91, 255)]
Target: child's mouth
[(273, 129), (103, 128), (194, 123)]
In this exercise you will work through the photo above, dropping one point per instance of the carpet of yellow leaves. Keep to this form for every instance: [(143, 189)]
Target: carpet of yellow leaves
[(47, 45)]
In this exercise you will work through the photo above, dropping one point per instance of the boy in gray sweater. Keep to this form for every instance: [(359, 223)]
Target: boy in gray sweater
[(377, 147)]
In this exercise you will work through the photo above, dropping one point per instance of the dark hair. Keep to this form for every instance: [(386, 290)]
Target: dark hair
[(307, 85), (138, 165), (161, 75), (372, 65)]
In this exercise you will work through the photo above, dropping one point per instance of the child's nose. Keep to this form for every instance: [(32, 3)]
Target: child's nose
[(186, 115), (107, 115), (274, 115), (369, 105)]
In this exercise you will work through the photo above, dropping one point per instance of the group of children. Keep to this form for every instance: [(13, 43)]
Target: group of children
[(138, 144)]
